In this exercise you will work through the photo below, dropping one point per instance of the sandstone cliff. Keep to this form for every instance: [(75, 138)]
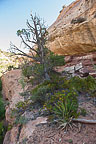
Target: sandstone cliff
[(69, 38)]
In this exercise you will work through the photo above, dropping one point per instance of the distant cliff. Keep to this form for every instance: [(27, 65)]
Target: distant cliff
[(74, 31), (7, 62)]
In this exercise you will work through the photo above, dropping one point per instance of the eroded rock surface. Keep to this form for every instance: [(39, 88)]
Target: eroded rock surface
[(81, 65), (11, 89), (11, 92), (69, 38)]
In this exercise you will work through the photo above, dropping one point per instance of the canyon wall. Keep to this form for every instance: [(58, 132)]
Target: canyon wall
[(70, 36)]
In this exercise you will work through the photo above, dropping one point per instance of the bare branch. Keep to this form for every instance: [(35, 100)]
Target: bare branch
[(31, 48), (13, 47)]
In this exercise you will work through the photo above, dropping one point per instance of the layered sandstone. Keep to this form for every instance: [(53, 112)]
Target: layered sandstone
[(11, 89), (79, 38)]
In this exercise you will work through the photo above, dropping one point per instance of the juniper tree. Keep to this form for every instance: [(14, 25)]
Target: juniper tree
[(34, 39)]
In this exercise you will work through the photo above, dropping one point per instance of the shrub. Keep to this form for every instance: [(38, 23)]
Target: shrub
[(83, 112), (21, 120), (2, 116), (39, 94), (83, 85), (20, 108), (37, 70), (22, 105), (2, 108), (0, 84), (11, 67), (2, 132), (22, 82), (56, 60), (63, 105), (27, 70)]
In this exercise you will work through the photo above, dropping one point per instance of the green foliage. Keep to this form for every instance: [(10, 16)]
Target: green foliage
[(22, 82), (59, 96), (2, 108), (0, 84), (9, 127), (24, 141), (56, 60), (21, 120), (83, 85), (70, 141), (37, 70), (2, 132), (22, 105), (63, 105), (27, 70), (83, 112), (39, 94), (11, 67), (2, 115), (20, 108)]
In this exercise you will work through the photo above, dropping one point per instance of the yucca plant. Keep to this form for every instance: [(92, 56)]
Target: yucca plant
[(65, 107)]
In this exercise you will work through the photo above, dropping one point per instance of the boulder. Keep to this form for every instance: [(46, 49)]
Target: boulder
[(11, 89)]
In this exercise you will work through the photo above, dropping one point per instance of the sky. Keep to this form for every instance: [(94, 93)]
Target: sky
[(14, 14)]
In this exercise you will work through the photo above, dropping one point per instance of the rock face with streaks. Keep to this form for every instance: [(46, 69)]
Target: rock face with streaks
[(74, 31), (11, 92), (11, 89)]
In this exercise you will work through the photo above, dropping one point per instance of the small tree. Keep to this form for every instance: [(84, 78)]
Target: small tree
[(34, 38)]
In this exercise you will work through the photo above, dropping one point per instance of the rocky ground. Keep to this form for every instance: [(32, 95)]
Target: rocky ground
[(37, 130), (83, 134)]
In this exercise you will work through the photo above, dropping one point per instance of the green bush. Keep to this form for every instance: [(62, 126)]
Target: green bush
[(0, 84), (22, 82), (11, 67), (27, 70), (21, 120), (37, 70), (2, 116), (39, 94), (20, 108), (83, 112), (63, 105), (2, 132), (56, 60), (83, 85), (2, 108), (22, 105)]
